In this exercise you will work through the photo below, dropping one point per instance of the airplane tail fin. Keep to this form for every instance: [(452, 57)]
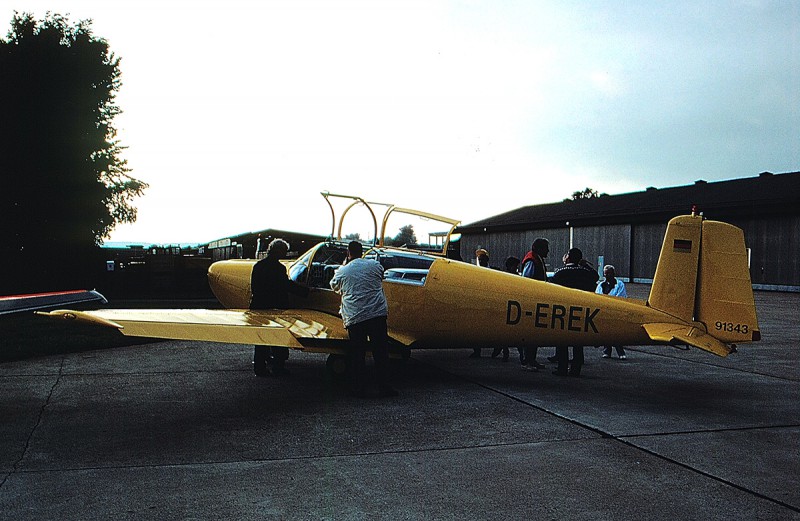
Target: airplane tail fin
[(703, 278), (675, 282)]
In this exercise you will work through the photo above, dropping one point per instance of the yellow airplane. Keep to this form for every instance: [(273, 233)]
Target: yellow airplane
[(701, 296)]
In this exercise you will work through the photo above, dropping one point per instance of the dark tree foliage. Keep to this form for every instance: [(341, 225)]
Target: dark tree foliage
[(406, 237), (586, 193), (64, 184)]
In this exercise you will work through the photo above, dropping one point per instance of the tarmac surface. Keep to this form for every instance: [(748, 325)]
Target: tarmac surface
[(183, 430)]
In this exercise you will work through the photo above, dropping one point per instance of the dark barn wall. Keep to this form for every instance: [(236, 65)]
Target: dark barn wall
[(559, 244), (502, 245), (634, 249), (646, 241), (611, 242), (627, 230), (774, 249), (499, 245)]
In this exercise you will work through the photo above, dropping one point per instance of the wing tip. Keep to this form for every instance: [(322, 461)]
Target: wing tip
[(68, 314)]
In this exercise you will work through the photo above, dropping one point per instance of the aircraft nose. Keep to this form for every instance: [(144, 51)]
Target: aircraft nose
[(214, 276), (230, 282)]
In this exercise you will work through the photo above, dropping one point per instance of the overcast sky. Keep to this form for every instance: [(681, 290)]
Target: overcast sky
[(238, 113)]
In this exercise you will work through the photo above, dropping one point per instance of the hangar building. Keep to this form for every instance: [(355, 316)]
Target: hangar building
[(627, 230), (252, 245)]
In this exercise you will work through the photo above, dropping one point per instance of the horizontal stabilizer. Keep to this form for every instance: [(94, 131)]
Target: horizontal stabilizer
[(276, 327), (685, 334)]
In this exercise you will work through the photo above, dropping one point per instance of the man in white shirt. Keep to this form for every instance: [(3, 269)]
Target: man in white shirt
[(364, 311)]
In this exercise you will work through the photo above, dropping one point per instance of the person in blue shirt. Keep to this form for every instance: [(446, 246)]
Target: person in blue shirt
[(611, 285)]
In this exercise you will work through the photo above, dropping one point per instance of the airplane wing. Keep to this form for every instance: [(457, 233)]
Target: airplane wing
[(690, 335), (20, 303), (295, 328)]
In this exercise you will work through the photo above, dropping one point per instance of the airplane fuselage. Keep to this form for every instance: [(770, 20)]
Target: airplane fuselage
[(460, 305)]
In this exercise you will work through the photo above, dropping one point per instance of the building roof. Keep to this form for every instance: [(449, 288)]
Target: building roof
[(268, 234), (765, 194)]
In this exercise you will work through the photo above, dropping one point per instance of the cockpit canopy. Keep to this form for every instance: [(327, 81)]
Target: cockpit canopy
[(405, 263), (317, 266), (399, 226)]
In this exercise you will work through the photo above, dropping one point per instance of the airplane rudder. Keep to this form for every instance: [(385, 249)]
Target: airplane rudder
[(725, 301)]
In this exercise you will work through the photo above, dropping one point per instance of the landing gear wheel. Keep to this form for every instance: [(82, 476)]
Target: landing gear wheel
[(337, 366)]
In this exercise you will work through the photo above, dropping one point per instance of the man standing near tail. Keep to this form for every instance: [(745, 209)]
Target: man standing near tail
[(611, 285)]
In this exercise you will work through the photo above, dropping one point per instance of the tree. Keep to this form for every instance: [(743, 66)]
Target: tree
[(65, 184), (586, 193), (405, 237)]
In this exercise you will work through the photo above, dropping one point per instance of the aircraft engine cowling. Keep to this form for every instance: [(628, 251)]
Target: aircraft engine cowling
[(230, 282)]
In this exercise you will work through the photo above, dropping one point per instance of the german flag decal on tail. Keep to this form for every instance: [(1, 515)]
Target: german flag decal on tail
[(682, 246)]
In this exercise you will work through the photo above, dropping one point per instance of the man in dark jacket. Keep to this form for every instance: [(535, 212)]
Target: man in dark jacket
[(577, 274), (270, 287)]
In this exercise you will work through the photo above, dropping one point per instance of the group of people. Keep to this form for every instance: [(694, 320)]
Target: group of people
[(576, 273), (363, 309)]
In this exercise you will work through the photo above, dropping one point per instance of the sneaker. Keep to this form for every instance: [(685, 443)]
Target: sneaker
[(623, 357), (609, 356)]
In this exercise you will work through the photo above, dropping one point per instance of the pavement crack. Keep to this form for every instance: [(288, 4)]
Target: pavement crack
[(705, 431), (668, 354), (709, 475), (626, 439), (42, 409)]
